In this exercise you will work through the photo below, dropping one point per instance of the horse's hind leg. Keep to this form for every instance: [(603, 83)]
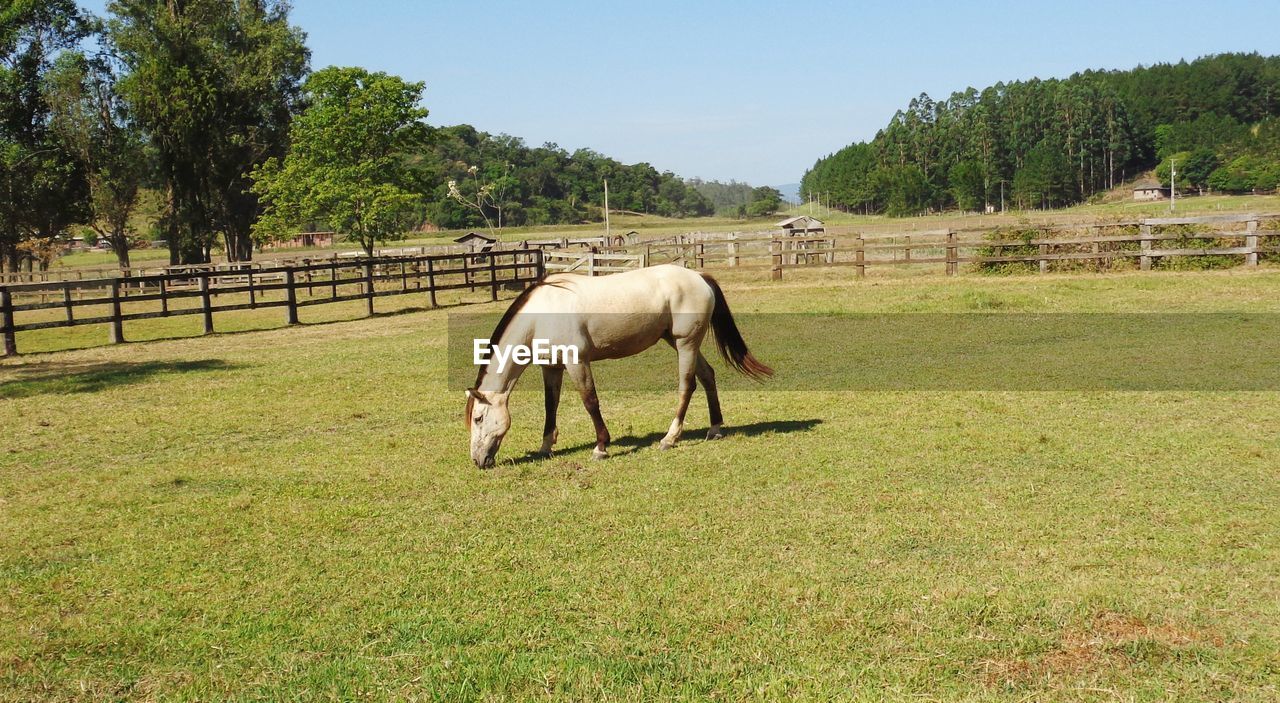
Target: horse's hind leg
[(552, 379), (687, 353), (707, 376), (581, 376)]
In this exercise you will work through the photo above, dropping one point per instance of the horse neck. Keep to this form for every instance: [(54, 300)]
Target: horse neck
[(504, 381)]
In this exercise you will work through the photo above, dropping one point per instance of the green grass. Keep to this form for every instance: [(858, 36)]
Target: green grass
[(290, 515)]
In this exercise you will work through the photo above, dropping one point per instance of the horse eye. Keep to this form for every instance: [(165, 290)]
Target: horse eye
[(475, 420)]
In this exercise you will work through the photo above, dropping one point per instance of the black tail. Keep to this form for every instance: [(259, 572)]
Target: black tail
[(729, 340)]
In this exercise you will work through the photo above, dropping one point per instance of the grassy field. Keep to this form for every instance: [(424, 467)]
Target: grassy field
[(291, 514)]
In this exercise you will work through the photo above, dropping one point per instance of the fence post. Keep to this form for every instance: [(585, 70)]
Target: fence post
[(253, 298), (368, 285), (206, 306), (1044, 263), (431, 280), (906, 253), (6, 322), (66, 303), (290, 298), (1251, 241), (466, 272), (775, 258), (700, 250), (493, 276), (164, 296), (117, 325), (1144, 261), (731, 249), (860, 257), (542, 263), (591, 264), (953, 265)]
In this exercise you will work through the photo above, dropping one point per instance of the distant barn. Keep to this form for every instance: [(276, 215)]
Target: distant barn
[(1149, 190), (802, 225), (476, 242)]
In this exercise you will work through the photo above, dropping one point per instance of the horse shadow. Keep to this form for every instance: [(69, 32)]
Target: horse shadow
[(630, 444)]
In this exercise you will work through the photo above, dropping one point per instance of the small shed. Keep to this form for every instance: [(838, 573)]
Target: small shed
[(1149, 190), (476, 242), (801, 225)]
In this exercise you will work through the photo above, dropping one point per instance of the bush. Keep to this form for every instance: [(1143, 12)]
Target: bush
[(1195, 237)]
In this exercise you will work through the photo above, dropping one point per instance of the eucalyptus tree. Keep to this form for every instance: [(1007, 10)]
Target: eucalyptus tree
[(90, 117), (214, 85), (42, 186)]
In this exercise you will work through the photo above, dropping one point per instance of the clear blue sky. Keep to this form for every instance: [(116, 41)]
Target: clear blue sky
[(749, 90)]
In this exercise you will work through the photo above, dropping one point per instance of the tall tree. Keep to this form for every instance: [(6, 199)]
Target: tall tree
[(347, 163), (213, 83), (42, 186), (89, 115)]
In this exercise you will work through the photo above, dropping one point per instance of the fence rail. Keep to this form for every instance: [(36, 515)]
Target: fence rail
[(592, 263), (337, 281), (949, 248)]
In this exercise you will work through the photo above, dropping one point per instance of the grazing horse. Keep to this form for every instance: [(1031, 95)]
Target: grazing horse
[(610, 317)]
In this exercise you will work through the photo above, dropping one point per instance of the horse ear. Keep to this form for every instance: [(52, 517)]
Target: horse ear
[(471, 395)]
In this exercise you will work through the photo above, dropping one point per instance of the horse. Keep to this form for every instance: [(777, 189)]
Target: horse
[(609, 317)]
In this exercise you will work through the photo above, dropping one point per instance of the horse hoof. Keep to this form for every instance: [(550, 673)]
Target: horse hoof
[(598, 455), (664, 446), (715, 434)]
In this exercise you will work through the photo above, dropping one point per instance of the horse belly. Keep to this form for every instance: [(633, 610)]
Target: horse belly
[(620, 336)]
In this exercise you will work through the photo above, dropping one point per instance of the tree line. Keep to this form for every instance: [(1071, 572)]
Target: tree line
[(210, 109), (1051, 143)]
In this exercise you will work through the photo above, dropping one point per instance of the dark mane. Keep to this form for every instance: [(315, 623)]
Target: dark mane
[(507, 317)]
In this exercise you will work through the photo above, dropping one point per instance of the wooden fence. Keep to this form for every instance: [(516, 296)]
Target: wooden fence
[(322, 283), (1090, 243), (591, 263)]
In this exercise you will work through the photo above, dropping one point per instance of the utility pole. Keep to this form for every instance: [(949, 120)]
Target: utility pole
[(606, 210), (1002, 196)]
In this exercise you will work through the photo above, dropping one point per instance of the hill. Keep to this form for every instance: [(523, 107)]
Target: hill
[(1051, 143)]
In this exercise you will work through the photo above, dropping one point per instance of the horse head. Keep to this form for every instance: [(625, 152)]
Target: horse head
[(488, 418)]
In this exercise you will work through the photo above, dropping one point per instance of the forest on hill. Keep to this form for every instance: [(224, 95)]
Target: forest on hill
[(1051, 143), (514, 184), (517, 185)]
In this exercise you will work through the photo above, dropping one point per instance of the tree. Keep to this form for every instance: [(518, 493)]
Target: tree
[(91, 119), (213, 84), (1199, 165), (968, 186), (346, 163), (42, 185), (1164, 171), (765, 200)]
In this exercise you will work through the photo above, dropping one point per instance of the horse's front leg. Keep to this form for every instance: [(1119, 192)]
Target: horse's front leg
[(552, 379), (582, 378), (687, 353)]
